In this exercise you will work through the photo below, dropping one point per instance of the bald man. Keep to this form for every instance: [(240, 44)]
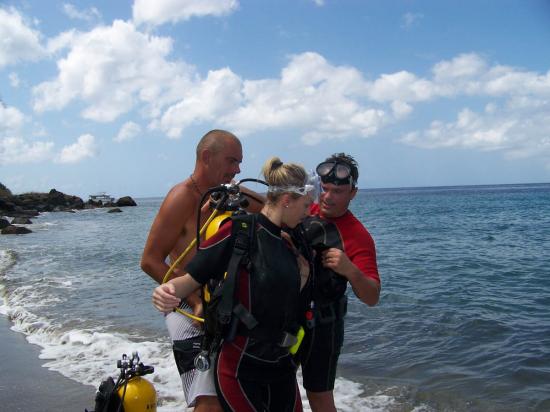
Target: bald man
[(219, 154)]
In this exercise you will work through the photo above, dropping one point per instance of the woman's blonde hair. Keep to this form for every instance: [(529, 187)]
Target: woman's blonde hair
[(280, 175)]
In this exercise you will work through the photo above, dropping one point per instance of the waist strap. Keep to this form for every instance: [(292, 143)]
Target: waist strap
[(283, 339)]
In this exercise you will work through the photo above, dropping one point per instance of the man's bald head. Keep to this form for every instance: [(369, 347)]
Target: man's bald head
[(215, 141)]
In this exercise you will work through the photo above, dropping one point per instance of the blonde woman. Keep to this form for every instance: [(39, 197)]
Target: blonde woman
[(254, 369)]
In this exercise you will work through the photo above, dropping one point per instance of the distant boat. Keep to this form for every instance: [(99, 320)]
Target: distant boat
[(102, 197)]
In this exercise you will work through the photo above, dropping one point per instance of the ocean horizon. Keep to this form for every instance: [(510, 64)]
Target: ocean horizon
[(462, 323)]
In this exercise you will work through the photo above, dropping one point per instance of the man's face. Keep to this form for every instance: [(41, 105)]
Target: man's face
[(225, 164), (334, 199)]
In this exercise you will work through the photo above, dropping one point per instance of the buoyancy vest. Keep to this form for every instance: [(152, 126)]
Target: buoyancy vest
[(272, 312), (321, 235)]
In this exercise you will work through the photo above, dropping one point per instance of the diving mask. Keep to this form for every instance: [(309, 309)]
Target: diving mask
[(337, 173)]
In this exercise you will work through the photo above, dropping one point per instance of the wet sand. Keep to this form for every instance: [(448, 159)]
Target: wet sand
[(26, 386)]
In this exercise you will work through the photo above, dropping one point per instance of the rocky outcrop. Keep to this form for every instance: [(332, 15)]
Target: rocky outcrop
[(125, 201), (31, 204), (4, 191), (21, 221), (4, 223), (24, 206), (15, 230)]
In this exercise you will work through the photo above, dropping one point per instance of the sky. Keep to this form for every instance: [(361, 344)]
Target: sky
[(114, 95)]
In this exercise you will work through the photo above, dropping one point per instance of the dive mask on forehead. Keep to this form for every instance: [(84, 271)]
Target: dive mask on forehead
[(312, 187), (336, 173)]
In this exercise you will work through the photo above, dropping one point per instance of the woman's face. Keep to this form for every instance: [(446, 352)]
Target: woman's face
[(297, 210)]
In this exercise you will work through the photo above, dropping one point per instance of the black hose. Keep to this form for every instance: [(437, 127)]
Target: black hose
[(221, 203)]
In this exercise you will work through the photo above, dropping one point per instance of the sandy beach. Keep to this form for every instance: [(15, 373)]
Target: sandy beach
[(26, 386)]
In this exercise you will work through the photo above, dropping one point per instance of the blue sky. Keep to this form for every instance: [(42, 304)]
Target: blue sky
[(113, 96)]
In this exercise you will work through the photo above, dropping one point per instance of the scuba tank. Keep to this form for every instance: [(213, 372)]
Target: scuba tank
[(131, 392)]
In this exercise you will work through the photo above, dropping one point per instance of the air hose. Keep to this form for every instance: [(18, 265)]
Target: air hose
[(222, 204)]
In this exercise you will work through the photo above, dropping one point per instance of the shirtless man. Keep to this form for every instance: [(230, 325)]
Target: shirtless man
[(219, 154)]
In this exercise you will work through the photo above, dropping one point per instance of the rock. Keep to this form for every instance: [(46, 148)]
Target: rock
[(46, 202), (115, 210), (6, 204), (15, 230), (21, 221), (4, 223), (4, 191), (92, 204), (125, 201)]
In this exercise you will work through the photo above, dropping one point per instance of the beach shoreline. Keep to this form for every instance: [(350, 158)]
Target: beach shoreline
[(27, 386)]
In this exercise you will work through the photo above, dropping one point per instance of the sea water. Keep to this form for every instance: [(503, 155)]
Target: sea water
[(463, 322)]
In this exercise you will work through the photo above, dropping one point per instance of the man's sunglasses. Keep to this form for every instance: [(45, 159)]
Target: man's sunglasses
[(335, 171)]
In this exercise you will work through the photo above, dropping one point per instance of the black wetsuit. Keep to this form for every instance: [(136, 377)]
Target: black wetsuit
[(322, 344), (253, 372)]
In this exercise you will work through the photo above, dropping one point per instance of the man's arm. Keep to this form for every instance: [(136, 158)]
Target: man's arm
[(176, 209), (365, 288)]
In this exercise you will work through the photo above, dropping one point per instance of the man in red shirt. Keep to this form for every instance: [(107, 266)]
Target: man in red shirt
[(346, 253)]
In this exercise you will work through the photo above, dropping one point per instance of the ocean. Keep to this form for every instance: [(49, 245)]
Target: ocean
[(463, 322)]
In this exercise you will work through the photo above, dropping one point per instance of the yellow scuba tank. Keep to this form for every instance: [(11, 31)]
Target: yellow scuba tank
[(216, 223), (211, 229), (138, 395), (135, 393)]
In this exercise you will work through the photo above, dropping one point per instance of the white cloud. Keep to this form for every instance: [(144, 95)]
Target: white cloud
[(515, 121), (410, 19), (88, 14), (516, 133), (112, 69), (128, 131), (84, 147), (322, 100), (162, 11), (61, 41), (14, 80), (18, 41), (215, 96), (403, 86), (319, 3), (117, 69), (15, 150), (463, 66), (401, 109), (11, 119)]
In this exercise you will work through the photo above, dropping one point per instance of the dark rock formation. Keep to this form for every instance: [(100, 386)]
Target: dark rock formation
[(15, 230), (115, 210), (125, 201), (32, 204), (4, 223), (26, 205), (21, 221), (4, 191)]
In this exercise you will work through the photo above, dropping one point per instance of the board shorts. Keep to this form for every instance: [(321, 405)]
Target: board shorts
[(185, 335)]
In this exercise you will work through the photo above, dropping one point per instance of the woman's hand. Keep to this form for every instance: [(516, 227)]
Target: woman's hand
[(164, 298)]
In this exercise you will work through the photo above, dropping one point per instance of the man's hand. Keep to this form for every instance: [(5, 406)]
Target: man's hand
[(365, 288), (164, 298), (338, 261)]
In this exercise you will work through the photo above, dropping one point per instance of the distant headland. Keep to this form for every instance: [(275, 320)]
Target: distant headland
[(21, 208)]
